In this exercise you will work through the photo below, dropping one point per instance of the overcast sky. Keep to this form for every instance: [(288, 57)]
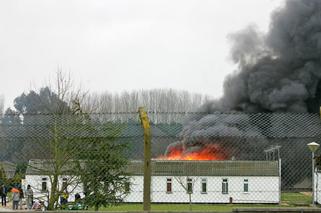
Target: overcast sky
[(123, 45)]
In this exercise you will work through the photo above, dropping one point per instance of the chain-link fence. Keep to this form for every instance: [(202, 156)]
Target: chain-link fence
[(74, 161)]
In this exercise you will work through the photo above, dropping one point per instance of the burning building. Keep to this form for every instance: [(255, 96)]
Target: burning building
[(174, 181), (207, 182), (270, 99)]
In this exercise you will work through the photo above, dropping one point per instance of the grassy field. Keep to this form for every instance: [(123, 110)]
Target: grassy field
[(296, 199), (185, 207), (288, 200)]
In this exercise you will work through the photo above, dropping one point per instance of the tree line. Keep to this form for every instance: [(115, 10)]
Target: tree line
[(155, 100), (55, 123), (51, 125)]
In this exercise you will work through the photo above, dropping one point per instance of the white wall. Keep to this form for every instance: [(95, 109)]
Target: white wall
[(35, 181), (317, 186), (261, 190)]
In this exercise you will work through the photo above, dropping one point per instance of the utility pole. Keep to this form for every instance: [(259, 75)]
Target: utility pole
[(147, 157)]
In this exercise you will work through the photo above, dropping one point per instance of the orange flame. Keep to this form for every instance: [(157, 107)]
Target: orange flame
[(206, 152)]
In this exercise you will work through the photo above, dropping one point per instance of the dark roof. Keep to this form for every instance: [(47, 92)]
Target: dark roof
[(9, 168), (136, 130), (170, 130), (46, 167), (271, 125), (207, 168), (120, 130), (180, 168)]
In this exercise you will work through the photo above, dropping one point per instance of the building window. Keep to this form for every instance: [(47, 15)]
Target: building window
[(169, 185), (44, 185), (204, 186), (64, 184), (225, 186), (189, 186), (127, 187), (246, 185)]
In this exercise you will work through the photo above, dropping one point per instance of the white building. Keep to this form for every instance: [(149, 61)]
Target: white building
[(39, 180), (317, 186), (207, 181)]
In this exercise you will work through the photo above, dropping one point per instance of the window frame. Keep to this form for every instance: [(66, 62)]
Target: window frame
[(189, 185), (246, 184), (127, 186), (44, 185), (225, 186), (169, 185), (64, 184), (203, 181)]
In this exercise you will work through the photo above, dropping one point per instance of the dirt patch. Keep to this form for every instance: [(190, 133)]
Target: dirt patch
[(306, 193)]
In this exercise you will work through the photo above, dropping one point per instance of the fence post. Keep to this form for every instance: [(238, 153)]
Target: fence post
[(147, 157)]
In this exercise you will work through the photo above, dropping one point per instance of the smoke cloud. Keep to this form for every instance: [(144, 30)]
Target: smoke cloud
[(279, 71)]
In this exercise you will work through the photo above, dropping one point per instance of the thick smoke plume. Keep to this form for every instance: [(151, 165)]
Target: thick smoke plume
[(279, 71)]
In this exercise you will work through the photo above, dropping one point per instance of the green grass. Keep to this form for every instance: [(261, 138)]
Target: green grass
[(185, 207), (296, 198), (288, 200)]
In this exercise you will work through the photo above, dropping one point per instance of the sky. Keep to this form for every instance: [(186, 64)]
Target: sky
[(123, 45)]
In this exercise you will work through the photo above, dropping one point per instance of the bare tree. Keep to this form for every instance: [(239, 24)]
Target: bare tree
[(156, 101), (63, 149), (187, 183), (56, 111)]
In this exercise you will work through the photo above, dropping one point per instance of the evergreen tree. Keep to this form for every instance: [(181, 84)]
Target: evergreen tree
[(103, 173)]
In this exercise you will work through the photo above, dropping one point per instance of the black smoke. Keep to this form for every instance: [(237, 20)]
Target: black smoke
[(278, 73)]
